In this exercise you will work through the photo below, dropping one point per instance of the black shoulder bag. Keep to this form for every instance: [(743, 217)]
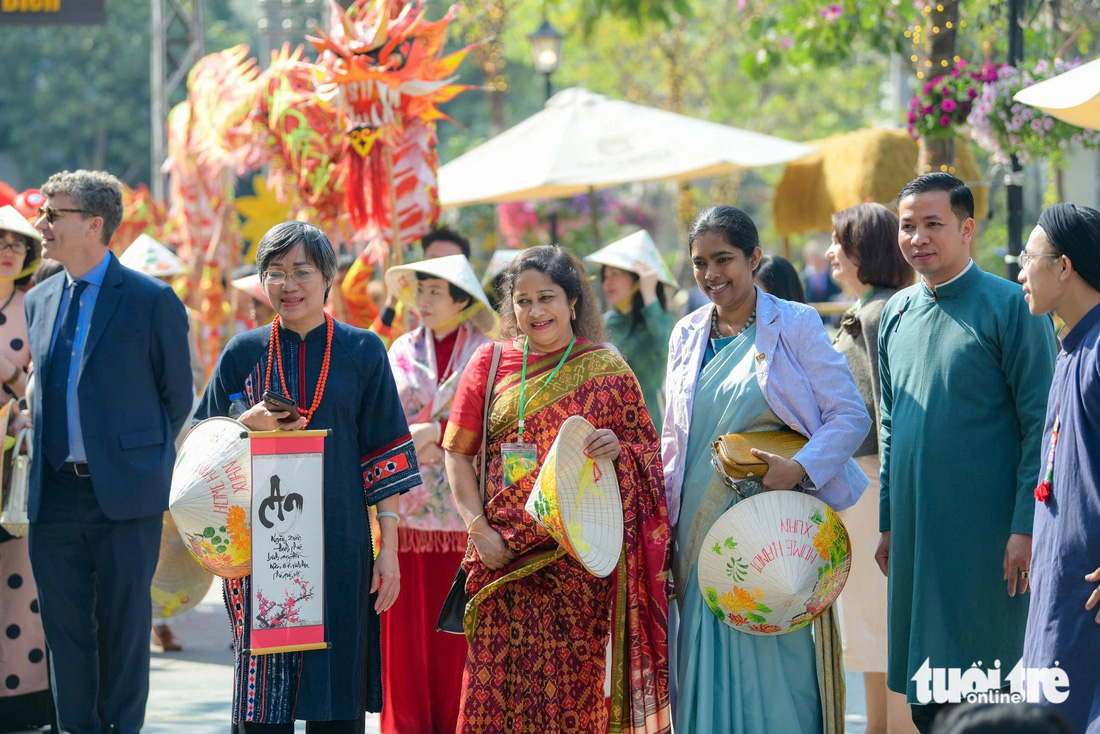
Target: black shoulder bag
[(454, 606)]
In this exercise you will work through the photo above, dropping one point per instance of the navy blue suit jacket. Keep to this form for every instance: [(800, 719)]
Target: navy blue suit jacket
[(134, 388)]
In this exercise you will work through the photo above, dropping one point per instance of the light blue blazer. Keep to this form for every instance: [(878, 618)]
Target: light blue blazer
[(803, 379)]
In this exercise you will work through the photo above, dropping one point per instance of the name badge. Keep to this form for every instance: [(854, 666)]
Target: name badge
[(519, 460)]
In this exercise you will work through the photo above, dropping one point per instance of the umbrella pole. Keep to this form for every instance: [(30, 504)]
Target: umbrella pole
[(594, 212)]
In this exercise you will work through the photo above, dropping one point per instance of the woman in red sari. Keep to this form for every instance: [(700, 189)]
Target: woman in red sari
[(538, 623)]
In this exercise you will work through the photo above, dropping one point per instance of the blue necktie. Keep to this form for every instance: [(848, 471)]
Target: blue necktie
[(55, 409)]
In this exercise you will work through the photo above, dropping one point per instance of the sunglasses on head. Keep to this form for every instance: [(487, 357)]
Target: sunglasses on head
[(50, 213)]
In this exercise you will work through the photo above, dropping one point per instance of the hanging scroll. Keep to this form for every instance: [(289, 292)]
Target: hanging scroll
[(288, 550)]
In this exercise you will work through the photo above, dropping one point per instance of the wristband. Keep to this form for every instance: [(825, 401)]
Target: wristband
[(394, 515)]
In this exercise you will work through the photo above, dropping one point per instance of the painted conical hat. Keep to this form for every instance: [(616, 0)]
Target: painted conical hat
[(179, 584), (211, 497), (498, 263), (774, 562), (13, 221), (631, 250), (455, 269), (577, 500), (148, 256)]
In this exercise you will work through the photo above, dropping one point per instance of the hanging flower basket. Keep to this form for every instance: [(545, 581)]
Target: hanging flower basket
[(1003, 127), (944, 102)]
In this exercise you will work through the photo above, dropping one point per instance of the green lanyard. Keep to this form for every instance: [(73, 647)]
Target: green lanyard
[(523, 380), (862, 300)]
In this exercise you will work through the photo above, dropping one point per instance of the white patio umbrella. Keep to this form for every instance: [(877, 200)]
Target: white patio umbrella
[(582, 140), (1073, 96)]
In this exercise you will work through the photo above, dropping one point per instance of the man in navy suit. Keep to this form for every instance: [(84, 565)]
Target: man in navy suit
[(113, 386)]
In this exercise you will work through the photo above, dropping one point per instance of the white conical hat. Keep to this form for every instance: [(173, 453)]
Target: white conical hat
[(455, 269), (148, 256), (631, 250), (211, 496), (577, 500), (13, 221), (251, 285), (774, 562), (500, 260)]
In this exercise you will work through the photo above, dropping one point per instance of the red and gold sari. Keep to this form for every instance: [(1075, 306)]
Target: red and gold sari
[(538, 628)]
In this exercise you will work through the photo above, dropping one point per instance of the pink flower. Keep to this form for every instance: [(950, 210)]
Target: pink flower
[(786, 43), (1036, 125), (832, 12), (741, 5), (945, 120), (971, 92), (912, 117), (928, 86), (949, 105)]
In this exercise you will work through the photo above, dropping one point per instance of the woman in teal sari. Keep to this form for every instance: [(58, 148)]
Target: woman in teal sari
[(751, 362)]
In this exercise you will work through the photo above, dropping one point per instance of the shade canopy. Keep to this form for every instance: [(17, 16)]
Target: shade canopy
[(583, 140), (1073, 96)]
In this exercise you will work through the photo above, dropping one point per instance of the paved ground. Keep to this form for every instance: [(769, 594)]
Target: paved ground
[(191, 690)]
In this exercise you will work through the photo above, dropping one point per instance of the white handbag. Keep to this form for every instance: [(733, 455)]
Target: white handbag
[(14, 518)]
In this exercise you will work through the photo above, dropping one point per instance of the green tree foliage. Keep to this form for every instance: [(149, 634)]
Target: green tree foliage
[(78, 96), (823, 33)]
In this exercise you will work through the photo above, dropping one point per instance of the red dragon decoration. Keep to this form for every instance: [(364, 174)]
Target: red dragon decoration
[(350, 137)]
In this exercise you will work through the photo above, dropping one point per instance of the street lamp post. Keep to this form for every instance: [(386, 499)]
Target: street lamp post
[(546, 48)]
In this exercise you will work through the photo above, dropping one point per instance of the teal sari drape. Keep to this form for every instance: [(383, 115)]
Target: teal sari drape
[(731, 681)]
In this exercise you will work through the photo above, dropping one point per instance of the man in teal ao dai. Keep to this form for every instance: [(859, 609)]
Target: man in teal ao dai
[(965, 372)]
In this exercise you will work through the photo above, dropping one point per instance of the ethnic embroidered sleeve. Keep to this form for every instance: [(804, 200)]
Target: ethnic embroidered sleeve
[(388, 456), (390, 470)]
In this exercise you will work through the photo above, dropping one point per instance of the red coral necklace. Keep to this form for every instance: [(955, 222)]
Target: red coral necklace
[(275, 354)]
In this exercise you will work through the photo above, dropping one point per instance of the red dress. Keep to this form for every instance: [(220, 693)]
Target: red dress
[(422, 668)]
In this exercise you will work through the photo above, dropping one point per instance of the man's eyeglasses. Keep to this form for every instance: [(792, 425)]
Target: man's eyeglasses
[(300, 275), (1027, 257), (51, 214)]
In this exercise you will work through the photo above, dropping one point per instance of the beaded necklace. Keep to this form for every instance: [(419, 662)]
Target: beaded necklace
[(275, 354), (716, 334)]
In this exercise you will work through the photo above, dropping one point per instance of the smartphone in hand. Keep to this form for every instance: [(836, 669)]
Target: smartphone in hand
[(277, 403)]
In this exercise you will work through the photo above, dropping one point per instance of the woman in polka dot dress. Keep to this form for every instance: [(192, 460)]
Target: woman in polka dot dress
[(24, 681)]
